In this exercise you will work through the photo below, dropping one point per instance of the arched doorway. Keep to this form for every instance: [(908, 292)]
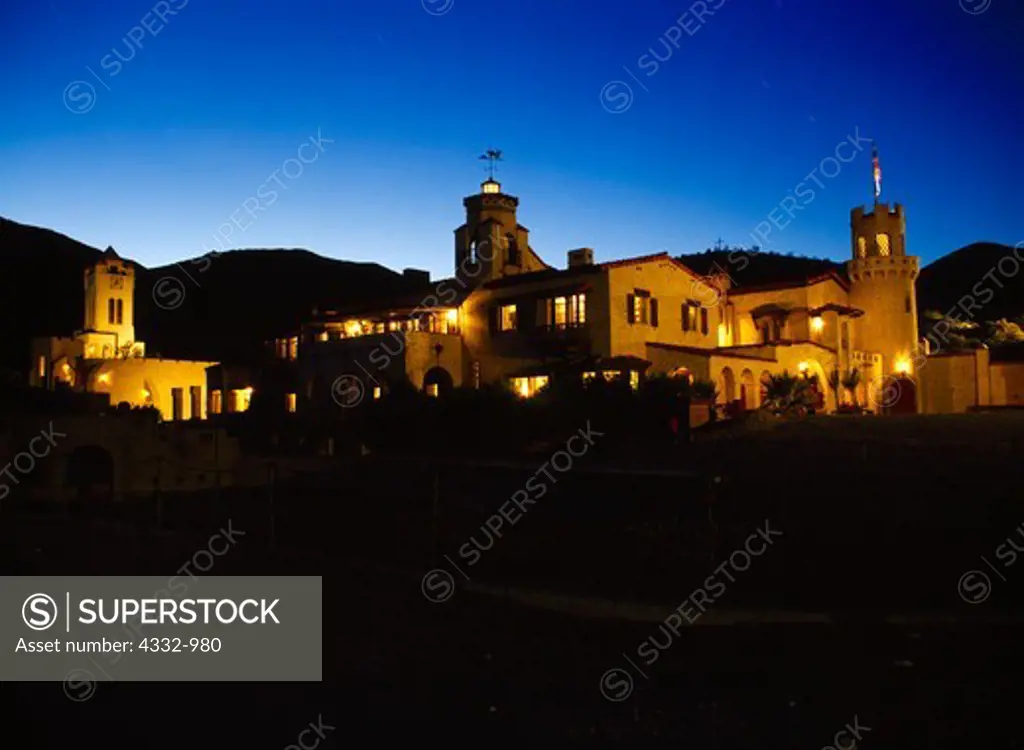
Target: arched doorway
[(726, 386), (748, 392), (437, 381), (90, 471)]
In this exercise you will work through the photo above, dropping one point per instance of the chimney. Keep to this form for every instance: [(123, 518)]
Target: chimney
[(583, 256), (415, 274)]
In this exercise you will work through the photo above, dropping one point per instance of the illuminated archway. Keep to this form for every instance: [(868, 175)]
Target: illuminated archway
[(726, 386), (749, 393)]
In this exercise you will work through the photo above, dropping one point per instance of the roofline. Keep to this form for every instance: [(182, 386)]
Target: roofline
[(641, 259)]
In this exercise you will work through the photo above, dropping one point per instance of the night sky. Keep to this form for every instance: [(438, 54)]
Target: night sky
[(153, 149)]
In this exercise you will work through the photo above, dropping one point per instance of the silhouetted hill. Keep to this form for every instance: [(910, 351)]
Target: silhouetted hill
[(944, 282), (750, 268), (219, 308), (223, 307)]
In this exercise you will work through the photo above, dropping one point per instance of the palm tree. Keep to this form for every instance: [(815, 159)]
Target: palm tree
[(789, 394), (850, 382)]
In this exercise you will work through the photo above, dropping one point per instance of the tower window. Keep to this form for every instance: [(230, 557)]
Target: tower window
[(882, 240), (514, 256), (120, 311), (862, 247), (110, 311)]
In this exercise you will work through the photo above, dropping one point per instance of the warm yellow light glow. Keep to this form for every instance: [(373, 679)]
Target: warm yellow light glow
[(588, 376), (65, 368), (353, 328), (104, 378), (243, 396), (491, 187), (145, 393), (723, 335), (376, 392), (817, 324), (432, 390), (453, 316), (291, 401), (902, 365), (529, 387), (803, 367)]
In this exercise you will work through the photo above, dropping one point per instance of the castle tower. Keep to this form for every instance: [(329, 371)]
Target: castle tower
[(882, 284), (109, 295), (491, 236)]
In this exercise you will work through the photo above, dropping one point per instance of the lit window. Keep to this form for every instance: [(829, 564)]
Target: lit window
[(862, 247), (691, 313), (290, 401), (559, 309), (242, 397), (353, 328), (42, 367), (507, 318), (588, 376), (103, 378), (377, 392), (883, 244), (322, 336), (639, 309), (378, 327), (529, 387), (634, 379), (293, 347), (902, 365), (215, 402), (451, 321), (431, 390)]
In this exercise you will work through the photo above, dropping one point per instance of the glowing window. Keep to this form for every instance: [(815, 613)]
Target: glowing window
[(377, 392), (529, 387), (42, 367), (507, 318), (882, 241), (290, 402), (862, 247), (634, 379), (559, 317), (431, 390)]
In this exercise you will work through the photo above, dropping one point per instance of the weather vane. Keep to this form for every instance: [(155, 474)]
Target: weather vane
[(492, 156)]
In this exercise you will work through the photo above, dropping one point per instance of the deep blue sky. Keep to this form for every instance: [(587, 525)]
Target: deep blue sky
[(226, 91)]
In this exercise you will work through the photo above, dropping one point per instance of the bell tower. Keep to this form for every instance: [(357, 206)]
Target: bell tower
[(492, 243), (883, 283), (109, 295)]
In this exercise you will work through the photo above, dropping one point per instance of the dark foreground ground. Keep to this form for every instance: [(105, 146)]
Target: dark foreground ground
[(874, 527)]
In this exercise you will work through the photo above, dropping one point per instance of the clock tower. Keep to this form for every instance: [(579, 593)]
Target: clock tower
[(109, 309)]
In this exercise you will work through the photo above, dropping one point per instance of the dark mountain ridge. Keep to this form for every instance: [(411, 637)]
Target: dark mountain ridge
[(224, 306)]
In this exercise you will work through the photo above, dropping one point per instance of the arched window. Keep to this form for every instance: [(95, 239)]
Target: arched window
[(120, 311), (862, 247), (110, 311), (513, 256), (882, 241)]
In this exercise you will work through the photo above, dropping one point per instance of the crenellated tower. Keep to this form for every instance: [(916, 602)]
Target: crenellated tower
[(883, 284)]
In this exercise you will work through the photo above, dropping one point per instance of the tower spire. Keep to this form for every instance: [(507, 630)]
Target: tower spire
[(876, 171)]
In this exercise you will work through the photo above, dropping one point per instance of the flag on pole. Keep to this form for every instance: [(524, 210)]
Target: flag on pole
[(876, 171)]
